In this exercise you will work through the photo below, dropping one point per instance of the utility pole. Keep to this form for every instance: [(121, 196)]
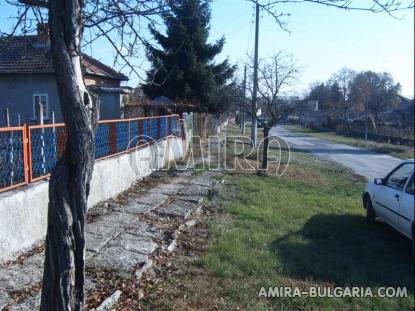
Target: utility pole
[(255, 87), (243, 105)]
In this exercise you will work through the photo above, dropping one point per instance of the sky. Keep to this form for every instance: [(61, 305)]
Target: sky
[(321, 39)]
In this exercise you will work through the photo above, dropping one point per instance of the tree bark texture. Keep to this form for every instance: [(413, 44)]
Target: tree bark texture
[(264, 165), (69, 186)]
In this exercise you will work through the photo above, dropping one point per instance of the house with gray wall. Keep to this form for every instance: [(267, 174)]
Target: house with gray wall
[(27, 79)]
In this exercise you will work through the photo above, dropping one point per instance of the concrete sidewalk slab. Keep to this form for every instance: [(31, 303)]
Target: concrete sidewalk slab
[(120, 236)]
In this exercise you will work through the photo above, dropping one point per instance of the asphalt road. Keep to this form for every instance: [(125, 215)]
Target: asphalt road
[(364, 162)]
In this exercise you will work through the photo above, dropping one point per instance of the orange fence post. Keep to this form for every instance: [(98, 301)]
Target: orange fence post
[(28, 148), (140, 132), (129, 133), (112, 139), (25, 157)]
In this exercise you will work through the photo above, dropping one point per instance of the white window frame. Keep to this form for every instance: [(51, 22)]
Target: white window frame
[(46, 109)]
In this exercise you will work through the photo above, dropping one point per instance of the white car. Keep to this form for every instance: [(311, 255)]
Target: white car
[(392, 199)]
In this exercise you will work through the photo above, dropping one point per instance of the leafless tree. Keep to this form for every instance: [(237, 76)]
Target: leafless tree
[(119, 23), (360, 92), (275, 8), (344, 78), (275, 75), (375, 93)]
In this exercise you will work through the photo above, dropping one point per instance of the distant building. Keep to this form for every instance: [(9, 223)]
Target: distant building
[(136, 104), (27, 79), (163, 105), (402, 116)]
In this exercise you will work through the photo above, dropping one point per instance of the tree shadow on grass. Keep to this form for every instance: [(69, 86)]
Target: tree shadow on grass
[(346, 251)]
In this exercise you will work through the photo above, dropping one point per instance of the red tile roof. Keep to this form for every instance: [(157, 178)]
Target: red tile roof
[(20, 55)]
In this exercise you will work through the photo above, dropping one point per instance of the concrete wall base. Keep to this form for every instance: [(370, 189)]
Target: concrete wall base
[(23, 211)]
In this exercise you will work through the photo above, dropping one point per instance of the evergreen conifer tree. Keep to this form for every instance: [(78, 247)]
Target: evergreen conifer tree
[(183, 66)]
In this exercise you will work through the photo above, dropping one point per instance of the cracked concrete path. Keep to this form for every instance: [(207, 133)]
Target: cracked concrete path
[(122, 234)]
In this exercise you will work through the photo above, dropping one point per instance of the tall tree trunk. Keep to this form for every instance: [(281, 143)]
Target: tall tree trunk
[(366, 119), (264, 165), (374, 120), (63, 276)]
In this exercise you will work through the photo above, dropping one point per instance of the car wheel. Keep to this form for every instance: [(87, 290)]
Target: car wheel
[(370, 212)]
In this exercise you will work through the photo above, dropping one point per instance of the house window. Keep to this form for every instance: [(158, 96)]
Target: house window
[(40, 99)]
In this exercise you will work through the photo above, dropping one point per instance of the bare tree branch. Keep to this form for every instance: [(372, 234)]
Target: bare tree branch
[(36, 3), (390, 7), (120, 23), (275, 75)]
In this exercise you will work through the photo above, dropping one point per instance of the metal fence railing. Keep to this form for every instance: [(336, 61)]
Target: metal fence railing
[(28, 153), (46, 144), (13, 157), (187, 126), (205, 125)]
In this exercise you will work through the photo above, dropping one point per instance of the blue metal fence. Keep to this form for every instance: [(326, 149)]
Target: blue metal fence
[(29, 153), (12, 158)]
